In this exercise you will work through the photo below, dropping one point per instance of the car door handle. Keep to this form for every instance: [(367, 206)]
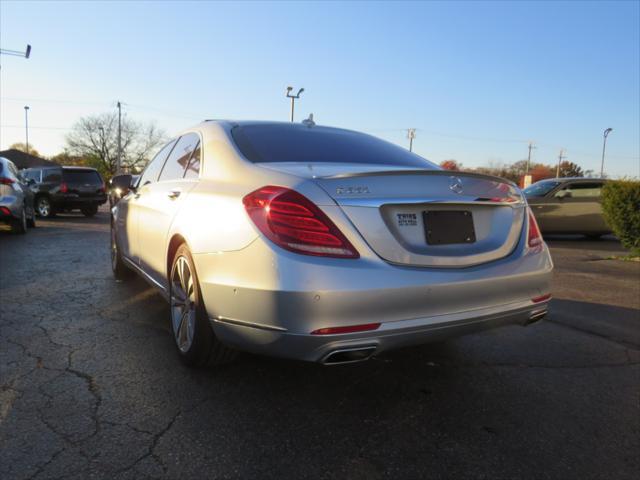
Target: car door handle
[(173, 194)]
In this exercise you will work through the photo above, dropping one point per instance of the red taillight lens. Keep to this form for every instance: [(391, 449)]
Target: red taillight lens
[(63, 188), (5, 211), (293, 222), (542, 298), (6, 181), (349, 329), (102, 188), (534, 238)]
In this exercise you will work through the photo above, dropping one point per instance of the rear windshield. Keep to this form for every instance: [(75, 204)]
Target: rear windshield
[(266, 143), (82, 176)]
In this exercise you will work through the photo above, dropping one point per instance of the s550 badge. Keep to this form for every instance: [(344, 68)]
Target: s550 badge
[(351, 190)]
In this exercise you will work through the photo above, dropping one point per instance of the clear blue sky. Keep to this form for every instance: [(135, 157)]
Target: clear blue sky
[(478, 80)]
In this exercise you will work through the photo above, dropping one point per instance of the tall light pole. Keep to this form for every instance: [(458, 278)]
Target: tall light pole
[(17, 53), (26, 127), (531, 147), (605, 134), (411, 134), (119, 159), (293, 98), (561, 157)]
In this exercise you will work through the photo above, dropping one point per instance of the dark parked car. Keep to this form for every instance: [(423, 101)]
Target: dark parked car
[(62, 189), (16, 198), (568, 205)]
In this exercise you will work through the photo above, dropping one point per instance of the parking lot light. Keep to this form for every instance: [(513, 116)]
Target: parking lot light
[(605, 134)]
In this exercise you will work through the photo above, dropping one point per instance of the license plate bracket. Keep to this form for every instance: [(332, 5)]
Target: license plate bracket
[(447, 227)]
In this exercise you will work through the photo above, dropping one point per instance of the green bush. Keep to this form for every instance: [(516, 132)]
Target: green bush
[(621, 208)]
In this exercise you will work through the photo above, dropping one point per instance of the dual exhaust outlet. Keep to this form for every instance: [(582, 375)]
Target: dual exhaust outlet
[(360, 354), (348, 355)]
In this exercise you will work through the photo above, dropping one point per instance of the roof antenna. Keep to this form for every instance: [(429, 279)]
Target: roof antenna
[(309, 121)]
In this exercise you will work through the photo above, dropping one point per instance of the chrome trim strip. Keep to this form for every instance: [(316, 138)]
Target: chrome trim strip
[(382, 201), (243, 323), (446, 173), (147, 277)]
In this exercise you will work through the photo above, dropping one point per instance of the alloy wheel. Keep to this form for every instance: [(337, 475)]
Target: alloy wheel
[(44, 207), (183, 306)]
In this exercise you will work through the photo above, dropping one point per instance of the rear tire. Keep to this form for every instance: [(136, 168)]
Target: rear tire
[(31, 221), (89, 211), (194, 338), (19, 225), (120, 270), (44, 208)]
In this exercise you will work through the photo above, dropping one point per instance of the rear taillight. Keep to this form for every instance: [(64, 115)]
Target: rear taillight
[(293, 222), (534, 238), (6, 181), (63, 188), (102, 188)]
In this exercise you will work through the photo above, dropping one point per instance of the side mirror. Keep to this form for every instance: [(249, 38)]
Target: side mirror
[(122, 184)]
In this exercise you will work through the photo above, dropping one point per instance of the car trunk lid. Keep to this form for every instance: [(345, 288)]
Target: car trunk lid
[(426, 217), (431, 217)]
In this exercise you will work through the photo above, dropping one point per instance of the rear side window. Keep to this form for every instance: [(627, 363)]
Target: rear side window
[(82, 177), (266, 143), (177, 162), (193, 170), (153, 168), (584, 190), (52, 175)]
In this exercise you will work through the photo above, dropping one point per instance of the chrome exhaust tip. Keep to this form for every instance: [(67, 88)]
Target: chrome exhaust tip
[(348, 355), (536, 316)]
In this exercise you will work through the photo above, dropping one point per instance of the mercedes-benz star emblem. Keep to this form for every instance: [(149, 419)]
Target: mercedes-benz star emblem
[(455, 184)]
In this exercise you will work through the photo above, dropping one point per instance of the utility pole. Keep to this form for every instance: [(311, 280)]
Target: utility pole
[(531, 147), (119, 160), (293, 99), (411, 134), (604, 145), (26, 127), (561, 157)]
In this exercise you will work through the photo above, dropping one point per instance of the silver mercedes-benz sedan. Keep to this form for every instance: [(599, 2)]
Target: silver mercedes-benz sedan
[(323, 244)]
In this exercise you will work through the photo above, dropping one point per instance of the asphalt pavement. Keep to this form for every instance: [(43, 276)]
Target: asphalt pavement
[(91, 386)]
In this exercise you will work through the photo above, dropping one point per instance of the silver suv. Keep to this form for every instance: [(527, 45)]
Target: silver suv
[(16, 198)]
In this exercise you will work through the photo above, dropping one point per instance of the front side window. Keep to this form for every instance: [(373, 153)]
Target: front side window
[(153, 168), (32, 175), (540, 189), (176, 164), (265, 143)]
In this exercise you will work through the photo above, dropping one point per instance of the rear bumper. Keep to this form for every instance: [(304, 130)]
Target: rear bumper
[(73, 201), (390, 335), (10, 208), (264, 300)]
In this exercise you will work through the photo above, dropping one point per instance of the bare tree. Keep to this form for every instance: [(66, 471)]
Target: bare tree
[(96, 139)]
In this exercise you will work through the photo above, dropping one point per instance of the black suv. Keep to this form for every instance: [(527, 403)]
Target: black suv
[(61, 189)]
